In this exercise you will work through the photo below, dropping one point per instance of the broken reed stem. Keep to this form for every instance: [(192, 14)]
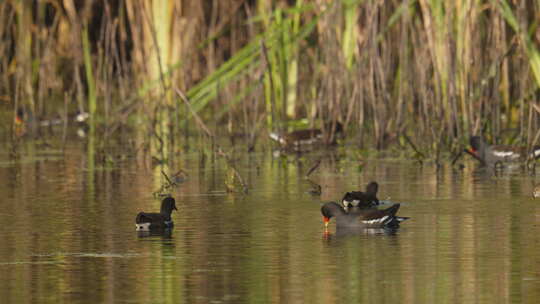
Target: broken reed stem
[(198, 120), (220, 151), (413, 146), (313, 168), (458, 156), (165, 186), (167, 178), (316, 188)]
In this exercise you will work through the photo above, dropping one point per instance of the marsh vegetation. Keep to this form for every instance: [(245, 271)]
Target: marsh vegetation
[(423, 74)]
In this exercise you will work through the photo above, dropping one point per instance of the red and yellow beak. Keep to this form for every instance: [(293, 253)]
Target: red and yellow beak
[(326, 221), (18, 120)]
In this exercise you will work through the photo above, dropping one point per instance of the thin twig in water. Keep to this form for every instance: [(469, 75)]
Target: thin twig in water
[(197, 118), (313, 168), (316, 188), (458, 156), (167, 178), (166, 186), (413, 146), (220, 151)]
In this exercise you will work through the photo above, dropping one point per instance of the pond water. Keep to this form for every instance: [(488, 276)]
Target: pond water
[(69, 234)]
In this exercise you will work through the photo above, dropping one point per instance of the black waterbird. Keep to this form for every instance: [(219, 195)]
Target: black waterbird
[(148, 221)]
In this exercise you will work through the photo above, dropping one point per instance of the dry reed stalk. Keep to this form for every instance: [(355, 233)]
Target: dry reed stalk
[(24, 58), (6, 14), (268, 66)]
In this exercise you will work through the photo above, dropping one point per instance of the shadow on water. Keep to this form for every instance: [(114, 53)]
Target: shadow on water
[(165, 234), (344, 232)]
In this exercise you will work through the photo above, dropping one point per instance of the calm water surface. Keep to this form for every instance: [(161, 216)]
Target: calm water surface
[(69, 234)]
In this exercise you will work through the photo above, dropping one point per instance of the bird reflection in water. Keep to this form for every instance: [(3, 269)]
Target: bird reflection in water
[(164, 233), (346, 231)]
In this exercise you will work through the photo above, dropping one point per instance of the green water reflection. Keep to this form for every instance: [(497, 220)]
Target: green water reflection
[(69, 234)]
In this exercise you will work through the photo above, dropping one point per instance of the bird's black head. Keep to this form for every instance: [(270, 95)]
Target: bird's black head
[(339, 127), (330, 210), (168, 204), (326, 211), (476, 143), (372, 188), (20, 117)]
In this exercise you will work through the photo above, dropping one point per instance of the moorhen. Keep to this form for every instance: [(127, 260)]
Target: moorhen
[(366, 218), (536, 191), (300, 138), (493, 154), (361, 199), (23, 117), (148, 221)]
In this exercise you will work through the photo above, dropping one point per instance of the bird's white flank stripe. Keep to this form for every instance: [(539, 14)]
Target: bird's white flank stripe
[(81, 117), (379, 220), (507, 154), (277, 137)]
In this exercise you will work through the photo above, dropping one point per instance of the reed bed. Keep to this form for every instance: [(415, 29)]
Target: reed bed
[(422, 74)]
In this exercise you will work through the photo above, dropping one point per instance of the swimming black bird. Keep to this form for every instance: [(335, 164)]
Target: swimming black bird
[(147, 221), (361, 199)]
